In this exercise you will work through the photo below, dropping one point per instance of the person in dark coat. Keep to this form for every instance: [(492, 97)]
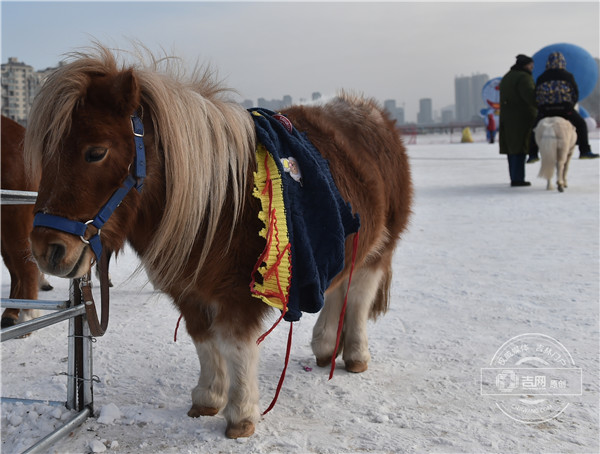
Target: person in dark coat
[(556, 94), (518, 111)]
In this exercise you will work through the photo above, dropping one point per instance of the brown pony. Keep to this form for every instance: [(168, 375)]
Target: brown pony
[(195, 222), (17, 222)]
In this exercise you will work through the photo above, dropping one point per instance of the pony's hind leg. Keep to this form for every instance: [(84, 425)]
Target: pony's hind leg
[(354, 343), (560, 176), (210, 395), (560, 171), (364, 288), (566, 168)]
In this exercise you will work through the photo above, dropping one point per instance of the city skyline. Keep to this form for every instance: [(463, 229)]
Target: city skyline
[(397, 111), (405, 51)]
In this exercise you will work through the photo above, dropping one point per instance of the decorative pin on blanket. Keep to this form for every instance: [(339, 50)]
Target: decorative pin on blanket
[(290, 165)]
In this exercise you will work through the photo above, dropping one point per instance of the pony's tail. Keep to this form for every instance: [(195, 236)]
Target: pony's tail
[(382, 298), (548, 146)]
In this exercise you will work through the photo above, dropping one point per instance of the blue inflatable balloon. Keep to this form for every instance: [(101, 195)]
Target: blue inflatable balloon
[(579, 63), (584, 113)]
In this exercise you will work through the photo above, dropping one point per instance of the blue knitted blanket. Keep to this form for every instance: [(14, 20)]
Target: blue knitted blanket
[(317, 219)]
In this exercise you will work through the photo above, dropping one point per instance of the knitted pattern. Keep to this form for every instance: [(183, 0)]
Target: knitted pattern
[(556, 92), (275, 263), (308, 231)]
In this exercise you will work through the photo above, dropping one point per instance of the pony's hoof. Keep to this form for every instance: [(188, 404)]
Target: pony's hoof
[(46, 287), (198, 410), (324, 362), (561, 188), (356, 367), (242, 429), (7, 322)]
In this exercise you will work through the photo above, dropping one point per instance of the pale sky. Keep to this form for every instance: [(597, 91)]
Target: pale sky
[(388, 50)]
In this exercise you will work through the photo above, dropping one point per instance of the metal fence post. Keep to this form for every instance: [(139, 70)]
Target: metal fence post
[(80, 378)]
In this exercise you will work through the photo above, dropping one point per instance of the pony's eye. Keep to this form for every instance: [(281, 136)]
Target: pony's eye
[(95, 154)]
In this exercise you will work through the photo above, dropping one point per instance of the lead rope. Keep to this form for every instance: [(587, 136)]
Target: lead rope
[(282, 378), (341, 322), (97, 327), (339, 333)]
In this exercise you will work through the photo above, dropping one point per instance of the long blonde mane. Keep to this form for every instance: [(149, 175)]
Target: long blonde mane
[(207, 142)]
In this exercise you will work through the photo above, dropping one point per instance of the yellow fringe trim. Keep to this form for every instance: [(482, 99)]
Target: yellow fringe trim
[(277, 258)]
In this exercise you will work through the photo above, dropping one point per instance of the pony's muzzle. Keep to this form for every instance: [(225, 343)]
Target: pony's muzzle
[(60, 254), (56, 252)]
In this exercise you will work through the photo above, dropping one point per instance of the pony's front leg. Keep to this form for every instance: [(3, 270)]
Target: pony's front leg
[(566, 168), (210, 395), (241, 357)]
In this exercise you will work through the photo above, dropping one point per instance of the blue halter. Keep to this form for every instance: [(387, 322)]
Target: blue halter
[(136, 178)]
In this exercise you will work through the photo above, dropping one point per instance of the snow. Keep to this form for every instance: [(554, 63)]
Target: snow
[(109, 413), (480, 264)]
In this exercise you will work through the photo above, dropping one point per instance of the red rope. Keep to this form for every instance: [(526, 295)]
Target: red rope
[(177, 327), (287, 359), (341, 322), (282, 298)]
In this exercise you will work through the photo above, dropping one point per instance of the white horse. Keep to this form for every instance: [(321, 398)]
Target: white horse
[(556, 139)]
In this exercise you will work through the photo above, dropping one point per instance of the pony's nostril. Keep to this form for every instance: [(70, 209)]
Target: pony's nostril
[(56, 254)]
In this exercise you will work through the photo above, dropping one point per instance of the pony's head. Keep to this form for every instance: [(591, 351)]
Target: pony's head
[(199, 146), (80, 138)]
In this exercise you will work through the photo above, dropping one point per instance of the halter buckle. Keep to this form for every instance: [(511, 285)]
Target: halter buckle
[(137, 126), (97, 233)]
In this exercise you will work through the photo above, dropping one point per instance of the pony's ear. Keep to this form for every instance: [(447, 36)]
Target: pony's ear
[(126, 92)]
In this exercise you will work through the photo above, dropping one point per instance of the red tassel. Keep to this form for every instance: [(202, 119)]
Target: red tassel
[(341, 322), (287, 359)]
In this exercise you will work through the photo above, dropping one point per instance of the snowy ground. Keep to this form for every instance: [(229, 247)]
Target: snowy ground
[(481, 264)]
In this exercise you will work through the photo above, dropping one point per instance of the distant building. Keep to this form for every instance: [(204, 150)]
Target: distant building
[(462, 98), (396, 112), (425, 114), (273, 104), (467, 97), (447, 115), (19, 85)]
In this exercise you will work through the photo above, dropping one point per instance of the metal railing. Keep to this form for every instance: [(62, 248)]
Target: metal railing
[(80, 380)]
